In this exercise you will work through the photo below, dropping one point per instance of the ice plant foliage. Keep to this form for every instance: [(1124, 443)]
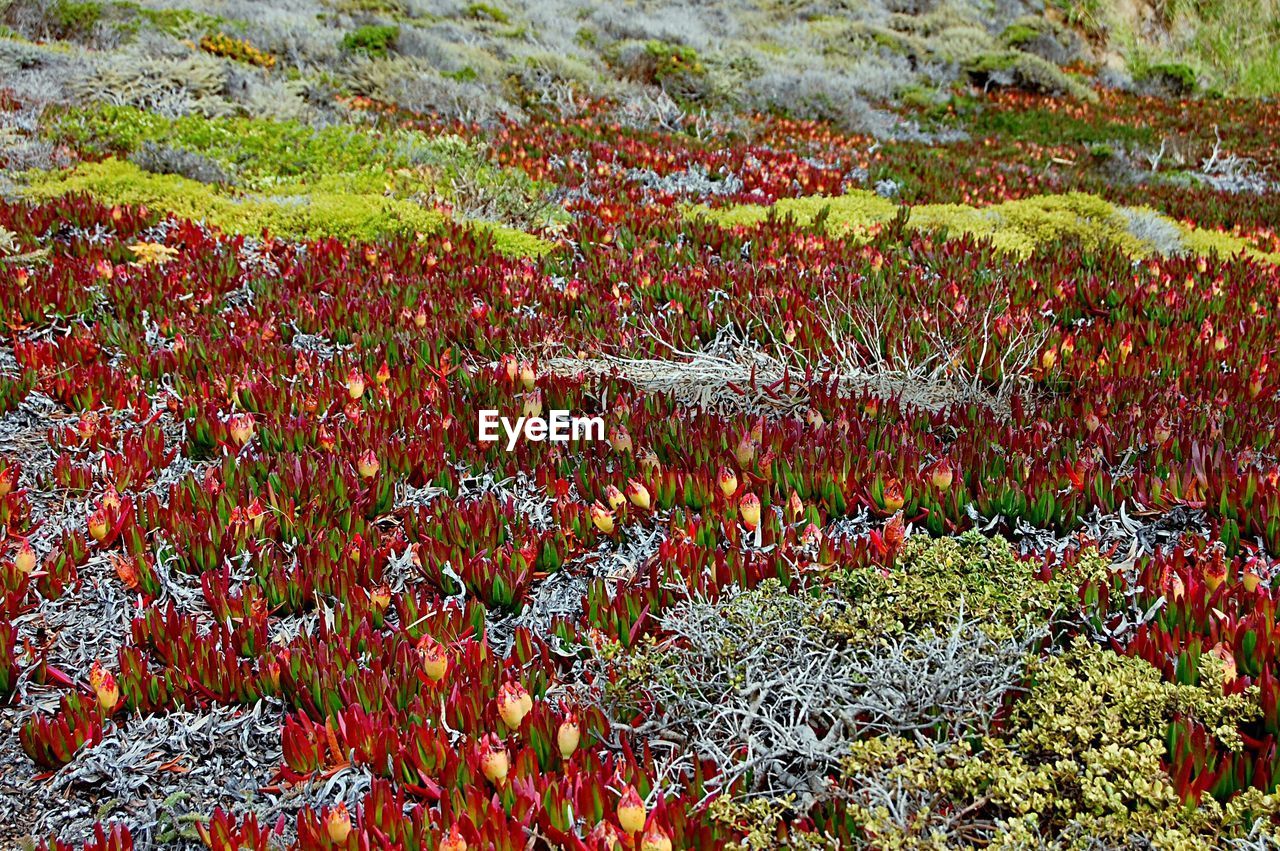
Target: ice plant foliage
[(272, 454)]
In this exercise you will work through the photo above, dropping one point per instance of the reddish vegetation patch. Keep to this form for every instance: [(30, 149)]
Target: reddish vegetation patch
[(269, 450)]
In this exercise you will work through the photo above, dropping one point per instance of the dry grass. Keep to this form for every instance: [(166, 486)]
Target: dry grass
[(752, 682), (737, 373)]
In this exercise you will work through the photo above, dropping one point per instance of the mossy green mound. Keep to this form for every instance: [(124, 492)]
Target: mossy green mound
[(1015, 227), (254, 151), (343, 207), (298, 181), (934, 580), (1082, 757), (847, 214)]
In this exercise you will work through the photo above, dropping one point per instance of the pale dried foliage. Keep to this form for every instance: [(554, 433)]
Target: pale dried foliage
[(1227, 172), (867, 354), (703, 378), (1160, 233), (170, 86), (735, 372), (751, 682)]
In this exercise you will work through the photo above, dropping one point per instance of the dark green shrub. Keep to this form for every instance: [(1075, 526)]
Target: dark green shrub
[(1175, 78), (1024, 71), (673, 67), (371, 7), (71, 18), (372, 40), (487, 11)]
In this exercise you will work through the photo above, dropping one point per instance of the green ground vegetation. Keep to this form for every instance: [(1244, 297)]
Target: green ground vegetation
[(290, 178), (1017, 227)]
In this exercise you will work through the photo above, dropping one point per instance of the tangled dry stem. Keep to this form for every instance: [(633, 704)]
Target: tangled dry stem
[(751, 682), (737, 373)]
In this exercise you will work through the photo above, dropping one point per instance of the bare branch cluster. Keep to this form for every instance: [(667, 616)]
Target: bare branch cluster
[(751, 682), (865, 353), (1230, 172)]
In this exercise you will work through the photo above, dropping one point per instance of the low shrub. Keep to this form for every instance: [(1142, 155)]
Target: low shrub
[(715, 675), (371, 7), (416, 86), (236, 49), (1168, 78), (1043, 38), (371, 40), (675, 68), (75, 18), (1083, 756), (344, 207), (815, 94), (1024, 71), (195, 84), (166, 159), (487, 12)]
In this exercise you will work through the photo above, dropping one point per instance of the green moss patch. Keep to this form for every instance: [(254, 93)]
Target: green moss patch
[(845, 214), (334, 206), (255, 151), (933, 579), (1082, 756), (1019, 226), (1014, 227), (371, 40), (296, 180)]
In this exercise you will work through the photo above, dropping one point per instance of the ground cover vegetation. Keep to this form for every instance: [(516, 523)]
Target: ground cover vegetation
[(939, 501)]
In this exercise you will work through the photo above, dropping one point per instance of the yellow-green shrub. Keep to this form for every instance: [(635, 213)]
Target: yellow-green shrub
[(933, 578), (1082, 756), (1015, 227), (237, 49), (846, 213), (343, 207)]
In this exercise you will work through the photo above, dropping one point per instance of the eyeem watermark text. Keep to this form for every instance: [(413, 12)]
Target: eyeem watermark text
[(559, 427)]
